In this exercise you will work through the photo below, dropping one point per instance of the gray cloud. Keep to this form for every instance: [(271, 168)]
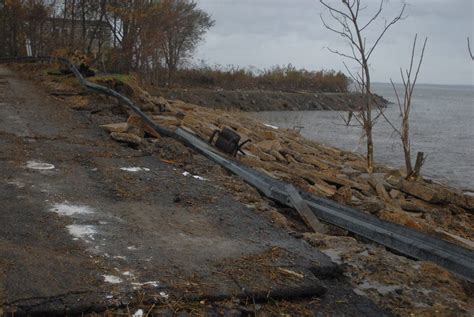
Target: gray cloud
[(263, 33)]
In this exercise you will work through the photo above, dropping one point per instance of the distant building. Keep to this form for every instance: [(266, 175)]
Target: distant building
[(89, 34)]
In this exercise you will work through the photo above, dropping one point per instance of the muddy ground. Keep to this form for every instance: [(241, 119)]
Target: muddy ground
[(87, 223)]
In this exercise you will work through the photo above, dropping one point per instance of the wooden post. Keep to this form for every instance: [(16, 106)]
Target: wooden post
[(420, 159)]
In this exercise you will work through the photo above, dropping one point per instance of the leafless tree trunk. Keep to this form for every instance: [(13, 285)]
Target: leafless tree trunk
[(349, 25), (409, 78), (469, 49)]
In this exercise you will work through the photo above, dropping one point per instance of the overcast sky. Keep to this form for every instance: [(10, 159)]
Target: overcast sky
[(263, 33)]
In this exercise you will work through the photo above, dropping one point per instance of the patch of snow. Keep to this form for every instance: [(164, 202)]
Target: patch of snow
[(150, 283), (270, 126), (39, 165), (112, 279), (134, 169), (469, 193), (164, 295), (120, 257), (194, 176), (138, 313), (67, 209), (84, 232), (132, 248)]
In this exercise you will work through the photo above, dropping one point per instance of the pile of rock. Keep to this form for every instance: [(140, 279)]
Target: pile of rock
[(340, 175)]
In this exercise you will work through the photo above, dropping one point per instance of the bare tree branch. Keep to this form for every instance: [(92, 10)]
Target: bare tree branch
[(395, 20)]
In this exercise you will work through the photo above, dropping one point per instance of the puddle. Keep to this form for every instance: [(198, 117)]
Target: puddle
[(135, 169), (66, 209), (194, 176), (112, 279), (84, 232), (39, 165)]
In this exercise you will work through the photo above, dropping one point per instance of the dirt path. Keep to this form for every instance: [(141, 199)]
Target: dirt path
[(86, 222)]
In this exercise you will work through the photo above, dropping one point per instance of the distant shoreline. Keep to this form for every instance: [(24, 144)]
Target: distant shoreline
[(261, 100)]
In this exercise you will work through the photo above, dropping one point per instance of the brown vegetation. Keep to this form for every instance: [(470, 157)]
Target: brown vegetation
[(148, 37), (281, 78)]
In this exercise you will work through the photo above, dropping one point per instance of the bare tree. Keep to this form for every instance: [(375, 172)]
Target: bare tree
[(347, 22), (409, 77), (183, 28), (469, 48)]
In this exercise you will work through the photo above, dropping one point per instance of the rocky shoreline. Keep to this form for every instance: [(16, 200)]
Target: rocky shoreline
[(402, 285), (259, 100)]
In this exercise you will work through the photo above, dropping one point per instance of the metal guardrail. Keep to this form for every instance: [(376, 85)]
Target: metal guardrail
[(407, 241)]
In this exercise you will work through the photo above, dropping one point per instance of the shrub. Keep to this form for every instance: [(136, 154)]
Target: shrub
[(282, 78)]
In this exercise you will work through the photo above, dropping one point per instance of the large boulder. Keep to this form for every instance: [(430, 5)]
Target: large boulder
[(435, 194), (269, 145)]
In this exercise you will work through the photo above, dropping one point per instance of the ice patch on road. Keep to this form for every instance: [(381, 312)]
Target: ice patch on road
[(112, 279), (67, 209), (39, 165), (84, 232), (185, 173), (135, 169)]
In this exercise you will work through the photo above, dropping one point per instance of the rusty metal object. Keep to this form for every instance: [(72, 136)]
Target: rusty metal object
[(228, 141)]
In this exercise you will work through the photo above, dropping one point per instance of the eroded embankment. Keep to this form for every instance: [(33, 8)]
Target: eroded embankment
[(259, 100), (400, 284)]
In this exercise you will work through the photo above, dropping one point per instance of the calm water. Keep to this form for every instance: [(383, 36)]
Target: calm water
[(442, 126)]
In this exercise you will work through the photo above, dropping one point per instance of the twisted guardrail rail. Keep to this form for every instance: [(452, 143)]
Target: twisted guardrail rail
[(410, 242)]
